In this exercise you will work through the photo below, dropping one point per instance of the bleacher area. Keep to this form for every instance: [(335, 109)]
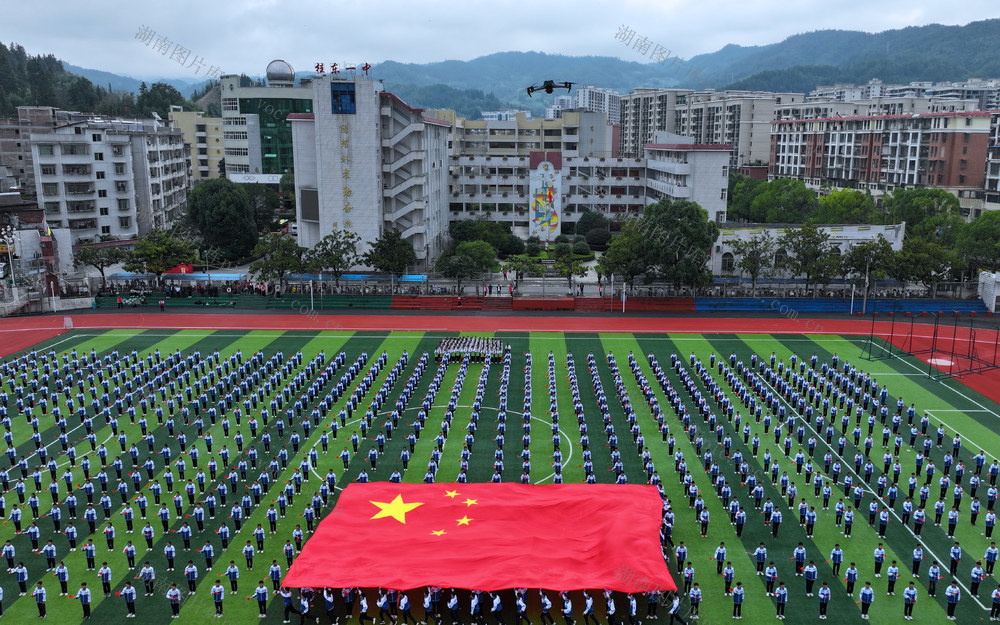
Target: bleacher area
[(257, 302)]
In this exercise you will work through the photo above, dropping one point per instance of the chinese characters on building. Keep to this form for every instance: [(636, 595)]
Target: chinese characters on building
[(345, 161), (175, 52), (335, 68)]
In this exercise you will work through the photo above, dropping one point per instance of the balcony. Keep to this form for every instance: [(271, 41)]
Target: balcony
[(82, 224), (81, 207), (76, 170), (77, 188)]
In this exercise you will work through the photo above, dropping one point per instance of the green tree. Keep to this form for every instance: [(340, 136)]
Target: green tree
[(868, 262), (678, 238), (264, 203), (223, 213), (756, 257), (520, 266), (845, 206), (743, 190), (286, 186), (591, 220), (927, 263), (598, 238), (391, 254), (979, 241), (159, 98), (278, 255), (626, 257), (470, 259), (100, 258), (784, 201), (533, 246), (809, 255), (159, 251), (569, 268), (334, 254), (915, 205)]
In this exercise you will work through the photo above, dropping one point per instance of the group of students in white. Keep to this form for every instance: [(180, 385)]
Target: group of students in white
[(476, 347), (394, 606)]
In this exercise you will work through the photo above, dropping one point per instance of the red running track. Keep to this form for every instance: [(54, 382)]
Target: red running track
[(17, 334)]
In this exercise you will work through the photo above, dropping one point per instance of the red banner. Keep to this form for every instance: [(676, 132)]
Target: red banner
[(488, 537)]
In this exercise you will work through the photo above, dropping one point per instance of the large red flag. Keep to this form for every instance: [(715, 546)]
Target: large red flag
[(488, 537)]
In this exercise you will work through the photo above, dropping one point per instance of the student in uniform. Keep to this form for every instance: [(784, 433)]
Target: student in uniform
[(738, 596), (261, 593), (496, 608), (952, 594), (128, 593), (546, 606), (83, 595), (521, 607), (453, 608), (781, 597), (218, 593), (995, 607), (909, 600), (39, 594), (867, 595), (675, 611), (824, 599), (233, 573), (363, 609)]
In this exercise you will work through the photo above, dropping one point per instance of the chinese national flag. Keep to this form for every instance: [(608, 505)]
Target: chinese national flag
[(488, 537)]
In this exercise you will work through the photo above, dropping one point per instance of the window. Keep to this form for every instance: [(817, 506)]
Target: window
[(119, 169), (237, 152), (117, 150), (50, 188), (104, 211), (105, 229), (961, 179), (230, 104), (199, 128), (45, 149), (98, 156), (728, 263), (235, 135), (121, 186), (102, 193), (100, 175), (342, 96), (123, 204), (95, 138), (52, 207), (48, 170), (125, 222)]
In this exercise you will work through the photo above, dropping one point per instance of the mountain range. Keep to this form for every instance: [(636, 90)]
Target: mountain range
[(799, 63)]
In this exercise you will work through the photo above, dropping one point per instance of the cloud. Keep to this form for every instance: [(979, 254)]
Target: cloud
[(242, 37)]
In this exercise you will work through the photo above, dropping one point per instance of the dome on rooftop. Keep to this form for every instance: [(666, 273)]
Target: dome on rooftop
[(280, 71)]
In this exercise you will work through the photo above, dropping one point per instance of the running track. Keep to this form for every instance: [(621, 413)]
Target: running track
[(19, 333)]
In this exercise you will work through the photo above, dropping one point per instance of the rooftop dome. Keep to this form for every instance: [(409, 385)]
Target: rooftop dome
[(280, 71)]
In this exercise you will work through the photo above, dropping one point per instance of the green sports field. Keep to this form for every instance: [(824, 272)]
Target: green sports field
[(962, 411)]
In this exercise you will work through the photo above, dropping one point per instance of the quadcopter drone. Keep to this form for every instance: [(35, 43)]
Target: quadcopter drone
[(549, 85)]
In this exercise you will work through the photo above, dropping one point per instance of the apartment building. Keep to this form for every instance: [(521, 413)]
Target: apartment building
[(985, 93), (15, 141), (204, 136), (111, 178), (678, 168), (883, 152), (814, 108), (607, 101), (741, 119), (504, 115)]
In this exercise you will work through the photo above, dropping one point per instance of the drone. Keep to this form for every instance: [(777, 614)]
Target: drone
[(549, 85)]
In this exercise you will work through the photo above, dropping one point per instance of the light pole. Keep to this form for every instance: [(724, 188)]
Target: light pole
[(7, 236)]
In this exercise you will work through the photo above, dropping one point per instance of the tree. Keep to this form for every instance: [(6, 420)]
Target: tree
[(590, 220), (580, 248), (278, 255), (784, 201), (334, 254), (470, 259), (286, 186), (926, 263), (678, 239), (915, 205), (159, 251), (598, 238), (533, 246), (159, 98), (223, 213), (100, 258), (391, 254), (520, 266), (264, 203), (569, 268), (868, 262), (845, 206), (498, 234), (743, 190), (979, 241), (756, 257), (809, 254), (625, 257)]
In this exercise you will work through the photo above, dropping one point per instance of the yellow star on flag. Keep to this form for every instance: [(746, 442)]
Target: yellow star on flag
[(464, 520), (470, 502), (396, 509), (451, 493), (438, 532)]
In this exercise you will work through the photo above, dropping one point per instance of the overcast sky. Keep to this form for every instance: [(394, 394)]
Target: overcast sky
[(243, 36)]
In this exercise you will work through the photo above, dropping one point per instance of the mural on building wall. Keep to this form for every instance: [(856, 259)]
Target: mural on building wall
[(546, 200)]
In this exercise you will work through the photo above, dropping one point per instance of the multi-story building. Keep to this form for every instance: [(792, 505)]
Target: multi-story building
[(15, 141), (677, 168), (883, 152), (559, 104), (204, 136), (367, 162), (741, 119), (607, 101), (504, 115), (257, 136), (576, 133), (866, 107), (111, 178), (985, 93)]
